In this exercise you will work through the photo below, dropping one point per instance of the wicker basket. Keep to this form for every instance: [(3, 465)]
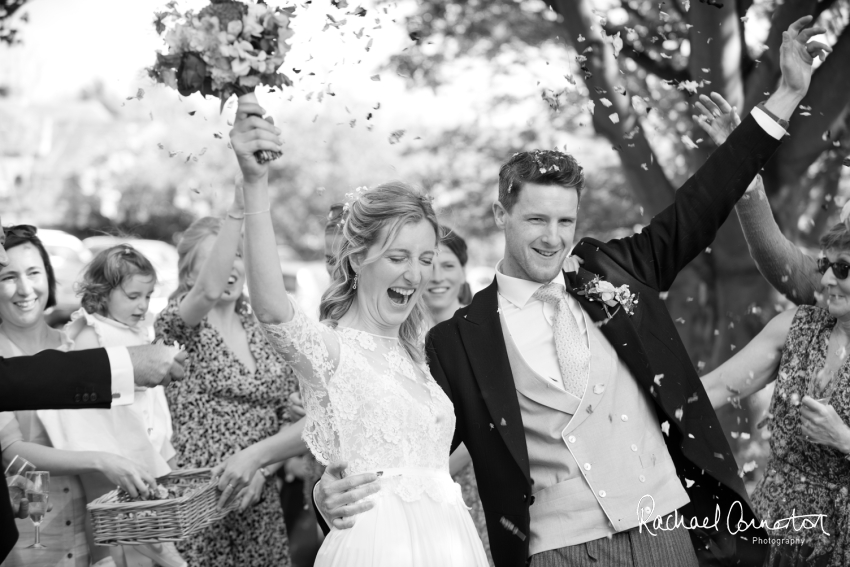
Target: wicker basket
[(117, 521)]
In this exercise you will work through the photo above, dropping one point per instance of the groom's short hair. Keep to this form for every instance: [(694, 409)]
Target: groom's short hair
[(544, 167)]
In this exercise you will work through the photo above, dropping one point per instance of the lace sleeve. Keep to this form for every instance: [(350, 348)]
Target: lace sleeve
[(312, 350)]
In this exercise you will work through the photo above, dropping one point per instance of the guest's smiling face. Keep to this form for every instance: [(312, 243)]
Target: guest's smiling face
[(539, 231), (235, 281), (24, 288), (837, 291), (448, 277), (391, 282)]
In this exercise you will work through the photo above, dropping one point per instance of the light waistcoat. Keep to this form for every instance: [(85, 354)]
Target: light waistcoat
[(592, 461)]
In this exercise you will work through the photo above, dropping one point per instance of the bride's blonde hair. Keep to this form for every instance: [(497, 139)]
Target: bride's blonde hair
[(388, 206)]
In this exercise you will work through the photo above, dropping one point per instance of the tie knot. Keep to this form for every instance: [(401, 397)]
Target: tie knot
[(552, 292)]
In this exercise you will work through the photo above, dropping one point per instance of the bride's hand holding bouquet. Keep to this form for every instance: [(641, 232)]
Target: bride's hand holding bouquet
[(227, 48)]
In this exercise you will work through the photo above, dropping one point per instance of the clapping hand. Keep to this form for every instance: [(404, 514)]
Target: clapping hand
[(717, 117), (797, 53), (296, 406), (252, 133), (822, 425)]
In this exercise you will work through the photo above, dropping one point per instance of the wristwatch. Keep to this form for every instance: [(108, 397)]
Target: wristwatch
[(775, 118)]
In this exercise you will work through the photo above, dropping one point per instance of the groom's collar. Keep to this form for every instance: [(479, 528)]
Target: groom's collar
[(519, 291)]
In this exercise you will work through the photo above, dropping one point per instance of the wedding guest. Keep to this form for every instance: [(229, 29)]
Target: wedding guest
[(809, 467), (804, 350), (115, 293), (27, 288), (447, 292), (234, 392)]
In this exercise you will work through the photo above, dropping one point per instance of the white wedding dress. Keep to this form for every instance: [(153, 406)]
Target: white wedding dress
[(370, 405)]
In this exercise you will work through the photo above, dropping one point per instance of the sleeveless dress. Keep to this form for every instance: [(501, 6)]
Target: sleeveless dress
[(805, 478), (370, 405), (219, 408)]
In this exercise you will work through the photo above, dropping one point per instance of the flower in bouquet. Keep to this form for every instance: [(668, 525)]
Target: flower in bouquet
[(227, 48)]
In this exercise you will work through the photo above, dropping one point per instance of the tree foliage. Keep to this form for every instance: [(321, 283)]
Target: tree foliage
[(8, 23)]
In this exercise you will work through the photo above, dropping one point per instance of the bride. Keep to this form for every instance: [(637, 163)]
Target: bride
[(369, 396)]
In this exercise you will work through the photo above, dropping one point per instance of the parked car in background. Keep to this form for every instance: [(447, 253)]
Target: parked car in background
[(69, 257), (162, 255)]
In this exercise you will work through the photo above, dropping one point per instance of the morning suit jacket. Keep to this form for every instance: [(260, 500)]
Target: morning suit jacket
[(468, 358), (49, 380)]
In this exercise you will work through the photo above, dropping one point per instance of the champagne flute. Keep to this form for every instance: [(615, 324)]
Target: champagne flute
[(38, 491), (16, 480)]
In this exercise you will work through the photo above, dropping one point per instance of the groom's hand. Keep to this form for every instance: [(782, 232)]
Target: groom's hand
[(340, 499), (796, 56)]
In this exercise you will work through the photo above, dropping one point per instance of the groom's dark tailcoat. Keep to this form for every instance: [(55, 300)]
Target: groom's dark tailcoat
[(468, 358)]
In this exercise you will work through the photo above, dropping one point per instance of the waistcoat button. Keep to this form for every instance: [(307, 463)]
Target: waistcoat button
[(587, 466), (571, 438), (634, 447), (602, 493), (624, 417)]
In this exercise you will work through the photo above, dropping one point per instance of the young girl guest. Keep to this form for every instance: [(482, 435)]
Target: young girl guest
[(115, 294), (234, 392), (27, 288)]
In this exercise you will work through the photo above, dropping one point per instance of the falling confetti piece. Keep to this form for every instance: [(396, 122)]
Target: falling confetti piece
[(750, 466), (395, 137), (658, 378), (217, 135), (689, 143), (616, 44), (369, 44), (492, 426), (693, 398), (679, 413), (580, 37), (719, 456), (689, 483), (644, 167), (202, 152), (160, 146), (614, 118), (140, 94), (192, 113), (376, 77), (665, 428), (598, 388), (503, 423), (606, 102), (172, 153)]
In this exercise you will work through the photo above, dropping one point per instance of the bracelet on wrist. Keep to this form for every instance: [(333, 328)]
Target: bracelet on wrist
[(233, 215), (266, 210)]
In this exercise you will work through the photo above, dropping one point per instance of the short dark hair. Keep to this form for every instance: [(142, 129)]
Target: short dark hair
[(454, 242), (107, 271), (26, 234), (836, 238), (544, 167)]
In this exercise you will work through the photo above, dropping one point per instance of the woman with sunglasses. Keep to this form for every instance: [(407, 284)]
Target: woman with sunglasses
[(804, 350)]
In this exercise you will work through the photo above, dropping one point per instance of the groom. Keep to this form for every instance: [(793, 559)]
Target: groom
[(586, 421)]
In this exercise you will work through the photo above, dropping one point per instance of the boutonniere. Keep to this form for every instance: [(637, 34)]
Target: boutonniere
[(609, 295)]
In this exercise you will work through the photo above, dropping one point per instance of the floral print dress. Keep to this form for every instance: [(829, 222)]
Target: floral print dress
[(218, 409), (804, 478)]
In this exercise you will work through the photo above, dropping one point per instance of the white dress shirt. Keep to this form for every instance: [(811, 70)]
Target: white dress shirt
[(530, 322), (123, 382)]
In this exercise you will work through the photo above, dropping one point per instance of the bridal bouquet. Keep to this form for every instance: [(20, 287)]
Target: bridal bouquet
[(227, 48)]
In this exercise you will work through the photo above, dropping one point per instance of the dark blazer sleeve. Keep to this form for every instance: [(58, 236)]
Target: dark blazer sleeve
[(56, 380), (676, 235), (439, 376)]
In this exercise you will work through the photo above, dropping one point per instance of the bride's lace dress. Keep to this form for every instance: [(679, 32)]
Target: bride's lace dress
[(370, 405)]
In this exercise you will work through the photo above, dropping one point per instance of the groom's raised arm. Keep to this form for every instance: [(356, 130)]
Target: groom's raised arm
[(680, 232)]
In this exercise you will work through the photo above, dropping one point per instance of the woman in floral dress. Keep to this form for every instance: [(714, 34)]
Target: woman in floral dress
[(233, 395), (805, 350)]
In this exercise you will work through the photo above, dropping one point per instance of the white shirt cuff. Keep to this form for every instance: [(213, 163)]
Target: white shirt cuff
[(325, 518), (767, 123), (123, 384)]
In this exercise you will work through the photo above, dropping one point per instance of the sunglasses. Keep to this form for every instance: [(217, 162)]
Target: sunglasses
[(20, 230), (839, 269)]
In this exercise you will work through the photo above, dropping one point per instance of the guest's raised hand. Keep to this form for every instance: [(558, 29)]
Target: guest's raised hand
[(797, 54), (134, 479), (717, 117), (822, 425), (341, 499), (251, 133)]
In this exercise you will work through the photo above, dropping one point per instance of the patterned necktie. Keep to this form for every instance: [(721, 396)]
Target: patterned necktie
[(573, 352)]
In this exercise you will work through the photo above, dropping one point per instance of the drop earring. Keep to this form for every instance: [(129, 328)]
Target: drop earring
[(354, 286)]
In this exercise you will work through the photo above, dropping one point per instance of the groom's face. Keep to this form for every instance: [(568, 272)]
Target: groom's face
[(539, 231)]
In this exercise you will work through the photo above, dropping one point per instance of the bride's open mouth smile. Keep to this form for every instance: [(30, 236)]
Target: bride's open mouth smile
[(400, 295)]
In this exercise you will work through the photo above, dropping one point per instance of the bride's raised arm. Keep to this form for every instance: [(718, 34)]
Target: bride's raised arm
[(251, 133)]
